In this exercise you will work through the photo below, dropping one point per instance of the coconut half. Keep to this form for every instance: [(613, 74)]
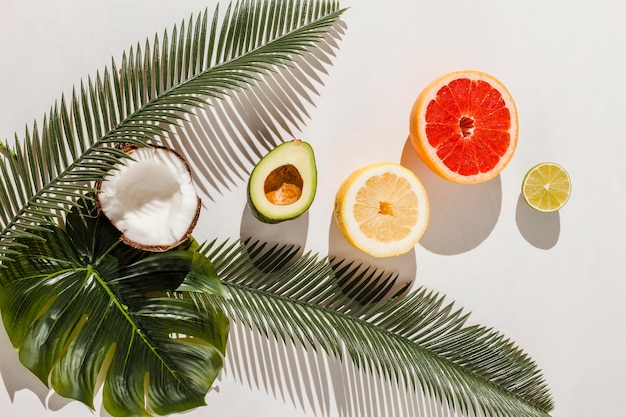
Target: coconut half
[(150, 198)]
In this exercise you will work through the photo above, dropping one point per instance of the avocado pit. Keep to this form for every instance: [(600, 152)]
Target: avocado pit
[(284, 185)]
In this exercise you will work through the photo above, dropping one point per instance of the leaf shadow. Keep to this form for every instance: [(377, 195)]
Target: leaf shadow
[(318, 384), (290, 373), (360, 393), (541, 230), (16, 378), (224, 140), (462, 216)]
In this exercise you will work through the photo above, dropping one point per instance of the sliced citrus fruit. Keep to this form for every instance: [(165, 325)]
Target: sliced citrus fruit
[(546, 187), (382, 209), (464, 126)]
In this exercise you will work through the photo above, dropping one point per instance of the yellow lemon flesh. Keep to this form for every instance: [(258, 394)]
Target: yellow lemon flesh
[(382, 209)]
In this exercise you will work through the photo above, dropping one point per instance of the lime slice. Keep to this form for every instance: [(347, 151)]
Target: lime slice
[(546, 187)]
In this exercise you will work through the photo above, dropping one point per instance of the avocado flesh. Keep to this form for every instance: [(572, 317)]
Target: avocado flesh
[(282, 185)]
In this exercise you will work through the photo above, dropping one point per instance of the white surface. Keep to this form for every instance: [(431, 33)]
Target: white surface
[(553, 283)]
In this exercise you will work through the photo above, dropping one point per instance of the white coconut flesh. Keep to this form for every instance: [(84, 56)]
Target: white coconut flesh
[(151, 198)]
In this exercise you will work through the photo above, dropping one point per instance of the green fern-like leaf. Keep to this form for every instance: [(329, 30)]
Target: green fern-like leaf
[(418, 340), (154, 88)]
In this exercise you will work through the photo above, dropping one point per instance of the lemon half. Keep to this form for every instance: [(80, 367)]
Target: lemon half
[(382, 209)]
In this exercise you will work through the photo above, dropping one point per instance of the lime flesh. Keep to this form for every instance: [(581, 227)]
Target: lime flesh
[(546, 187)]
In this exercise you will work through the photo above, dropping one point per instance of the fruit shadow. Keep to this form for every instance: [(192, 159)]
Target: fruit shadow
[(291, 234), (462, 216), (541, 230), (365, 278)]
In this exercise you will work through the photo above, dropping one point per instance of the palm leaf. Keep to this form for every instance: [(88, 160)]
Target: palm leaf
[(80, 304), (154, 88), (418, 341)]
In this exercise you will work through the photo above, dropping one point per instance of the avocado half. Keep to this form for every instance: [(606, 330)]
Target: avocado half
[(282, 185)]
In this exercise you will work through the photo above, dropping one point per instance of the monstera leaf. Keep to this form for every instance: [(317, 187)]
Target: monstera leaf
[(79, 306)]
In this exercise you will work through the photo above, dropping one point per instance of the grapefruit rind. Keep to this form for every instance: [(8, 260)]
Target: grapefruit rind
[(344, 213), (546, 187), (419, 137)]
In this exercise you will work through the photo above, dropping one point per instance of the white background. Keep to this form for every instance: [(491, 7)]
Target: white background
[(552, 283)]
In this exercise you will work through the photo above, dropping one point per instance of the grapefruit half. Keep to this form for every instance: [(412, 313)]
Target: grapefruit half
[(464, 126)]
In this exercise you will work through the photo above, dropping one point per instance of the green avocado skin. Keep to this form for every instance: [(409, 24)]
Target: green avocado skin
[(312, 185)]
